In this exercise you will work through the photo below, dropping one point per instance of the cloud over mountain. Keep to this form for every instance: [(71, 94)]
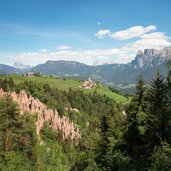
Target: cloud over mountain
[(143, 38)]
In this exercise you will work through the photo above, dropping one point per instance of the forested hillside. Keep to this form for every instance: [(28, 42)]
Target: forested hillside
[(114, 136)]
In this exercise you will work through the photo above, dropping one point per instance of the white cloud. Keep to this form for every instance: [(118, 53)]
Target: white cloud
[(43, 50), (132, 32), (156, 40), (124, 54), (64, 47), (103, 33), (129, 33), (84, 56), (156, 35), (99, 23)]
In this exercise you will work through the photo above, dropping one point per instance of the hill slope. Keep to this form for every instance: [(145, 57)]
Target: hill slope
[(121, 76), (65, 84), (117, 75), (5, 69)]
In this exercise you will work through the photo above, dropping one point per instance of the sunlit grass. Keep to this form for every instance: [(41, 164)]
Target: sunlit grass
[(65, 84)]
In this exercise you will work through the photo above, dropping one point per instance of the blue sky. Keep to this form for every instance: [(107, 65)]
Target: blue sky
[(82, 30)]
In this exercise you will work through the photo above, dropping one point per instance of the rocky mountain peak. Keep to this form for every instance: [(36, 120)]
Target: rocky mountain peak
[(151, 57), (140, 52), (21, 66), (151, 52)]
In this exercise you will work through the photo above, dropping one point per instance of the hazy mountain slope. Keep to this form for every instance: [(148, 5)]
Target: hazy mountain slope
[(5, 69), (63, 68), (125, 74), (119, 75)]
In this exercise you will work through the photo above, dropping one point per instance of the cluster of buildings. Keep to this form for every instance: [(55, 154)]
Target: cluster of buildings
[(29, 74), (88, 84)]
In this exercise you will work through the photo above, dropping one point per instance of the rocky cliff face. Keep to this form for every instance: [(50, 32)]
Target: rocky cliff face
[(151, 57), (32, 105)]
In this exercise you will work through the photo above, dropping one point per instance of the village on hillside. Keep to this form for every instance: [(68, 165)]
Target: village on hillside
[(88, 84)]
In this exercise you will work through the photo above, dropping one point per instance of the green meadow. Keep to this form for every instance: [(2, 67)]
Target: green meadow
[(66, 83)]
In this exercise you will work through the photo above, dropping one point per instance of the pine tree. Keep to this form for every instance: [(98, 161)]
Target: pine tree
[(18, 138), (140, 90), (168, 105), (110, 157), (136, 136), (138, 100), (157, 107)]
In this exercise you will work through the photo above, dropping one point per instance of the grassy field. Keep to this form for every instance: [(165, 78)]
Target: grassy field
[(67, 83)]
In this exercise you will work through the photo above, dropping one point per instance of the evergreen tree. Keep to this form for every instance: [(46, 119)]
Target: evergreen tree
[(161, 158), (156, 100), (138, 98), (168, 105), (110, 156), (7, 84), (136, 135), (18, 138)]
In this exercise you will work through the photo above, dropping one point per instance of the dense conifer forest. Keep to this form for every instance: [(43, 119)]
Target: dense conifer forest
[(110, 141)]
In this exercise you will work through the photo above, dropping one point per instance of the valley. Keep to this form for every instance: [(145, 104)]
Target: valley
[(85, 85), (66, 84), (119, 76), (75, 129)]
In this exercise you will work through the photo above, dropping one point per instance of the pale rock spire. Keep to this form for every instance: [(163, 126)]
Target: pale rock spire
[(33, 105)]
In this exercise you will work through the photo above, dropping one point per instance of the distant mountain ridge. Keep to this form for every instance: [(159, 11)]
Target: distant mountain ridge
[(63, 68), (22, 66), (118, 75), (122, 76), (5, 69)]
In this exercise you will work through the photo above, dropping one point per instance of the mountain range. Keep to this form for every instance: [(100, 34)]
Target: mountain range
[(5, 69), (22, 67), (122, 76)]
